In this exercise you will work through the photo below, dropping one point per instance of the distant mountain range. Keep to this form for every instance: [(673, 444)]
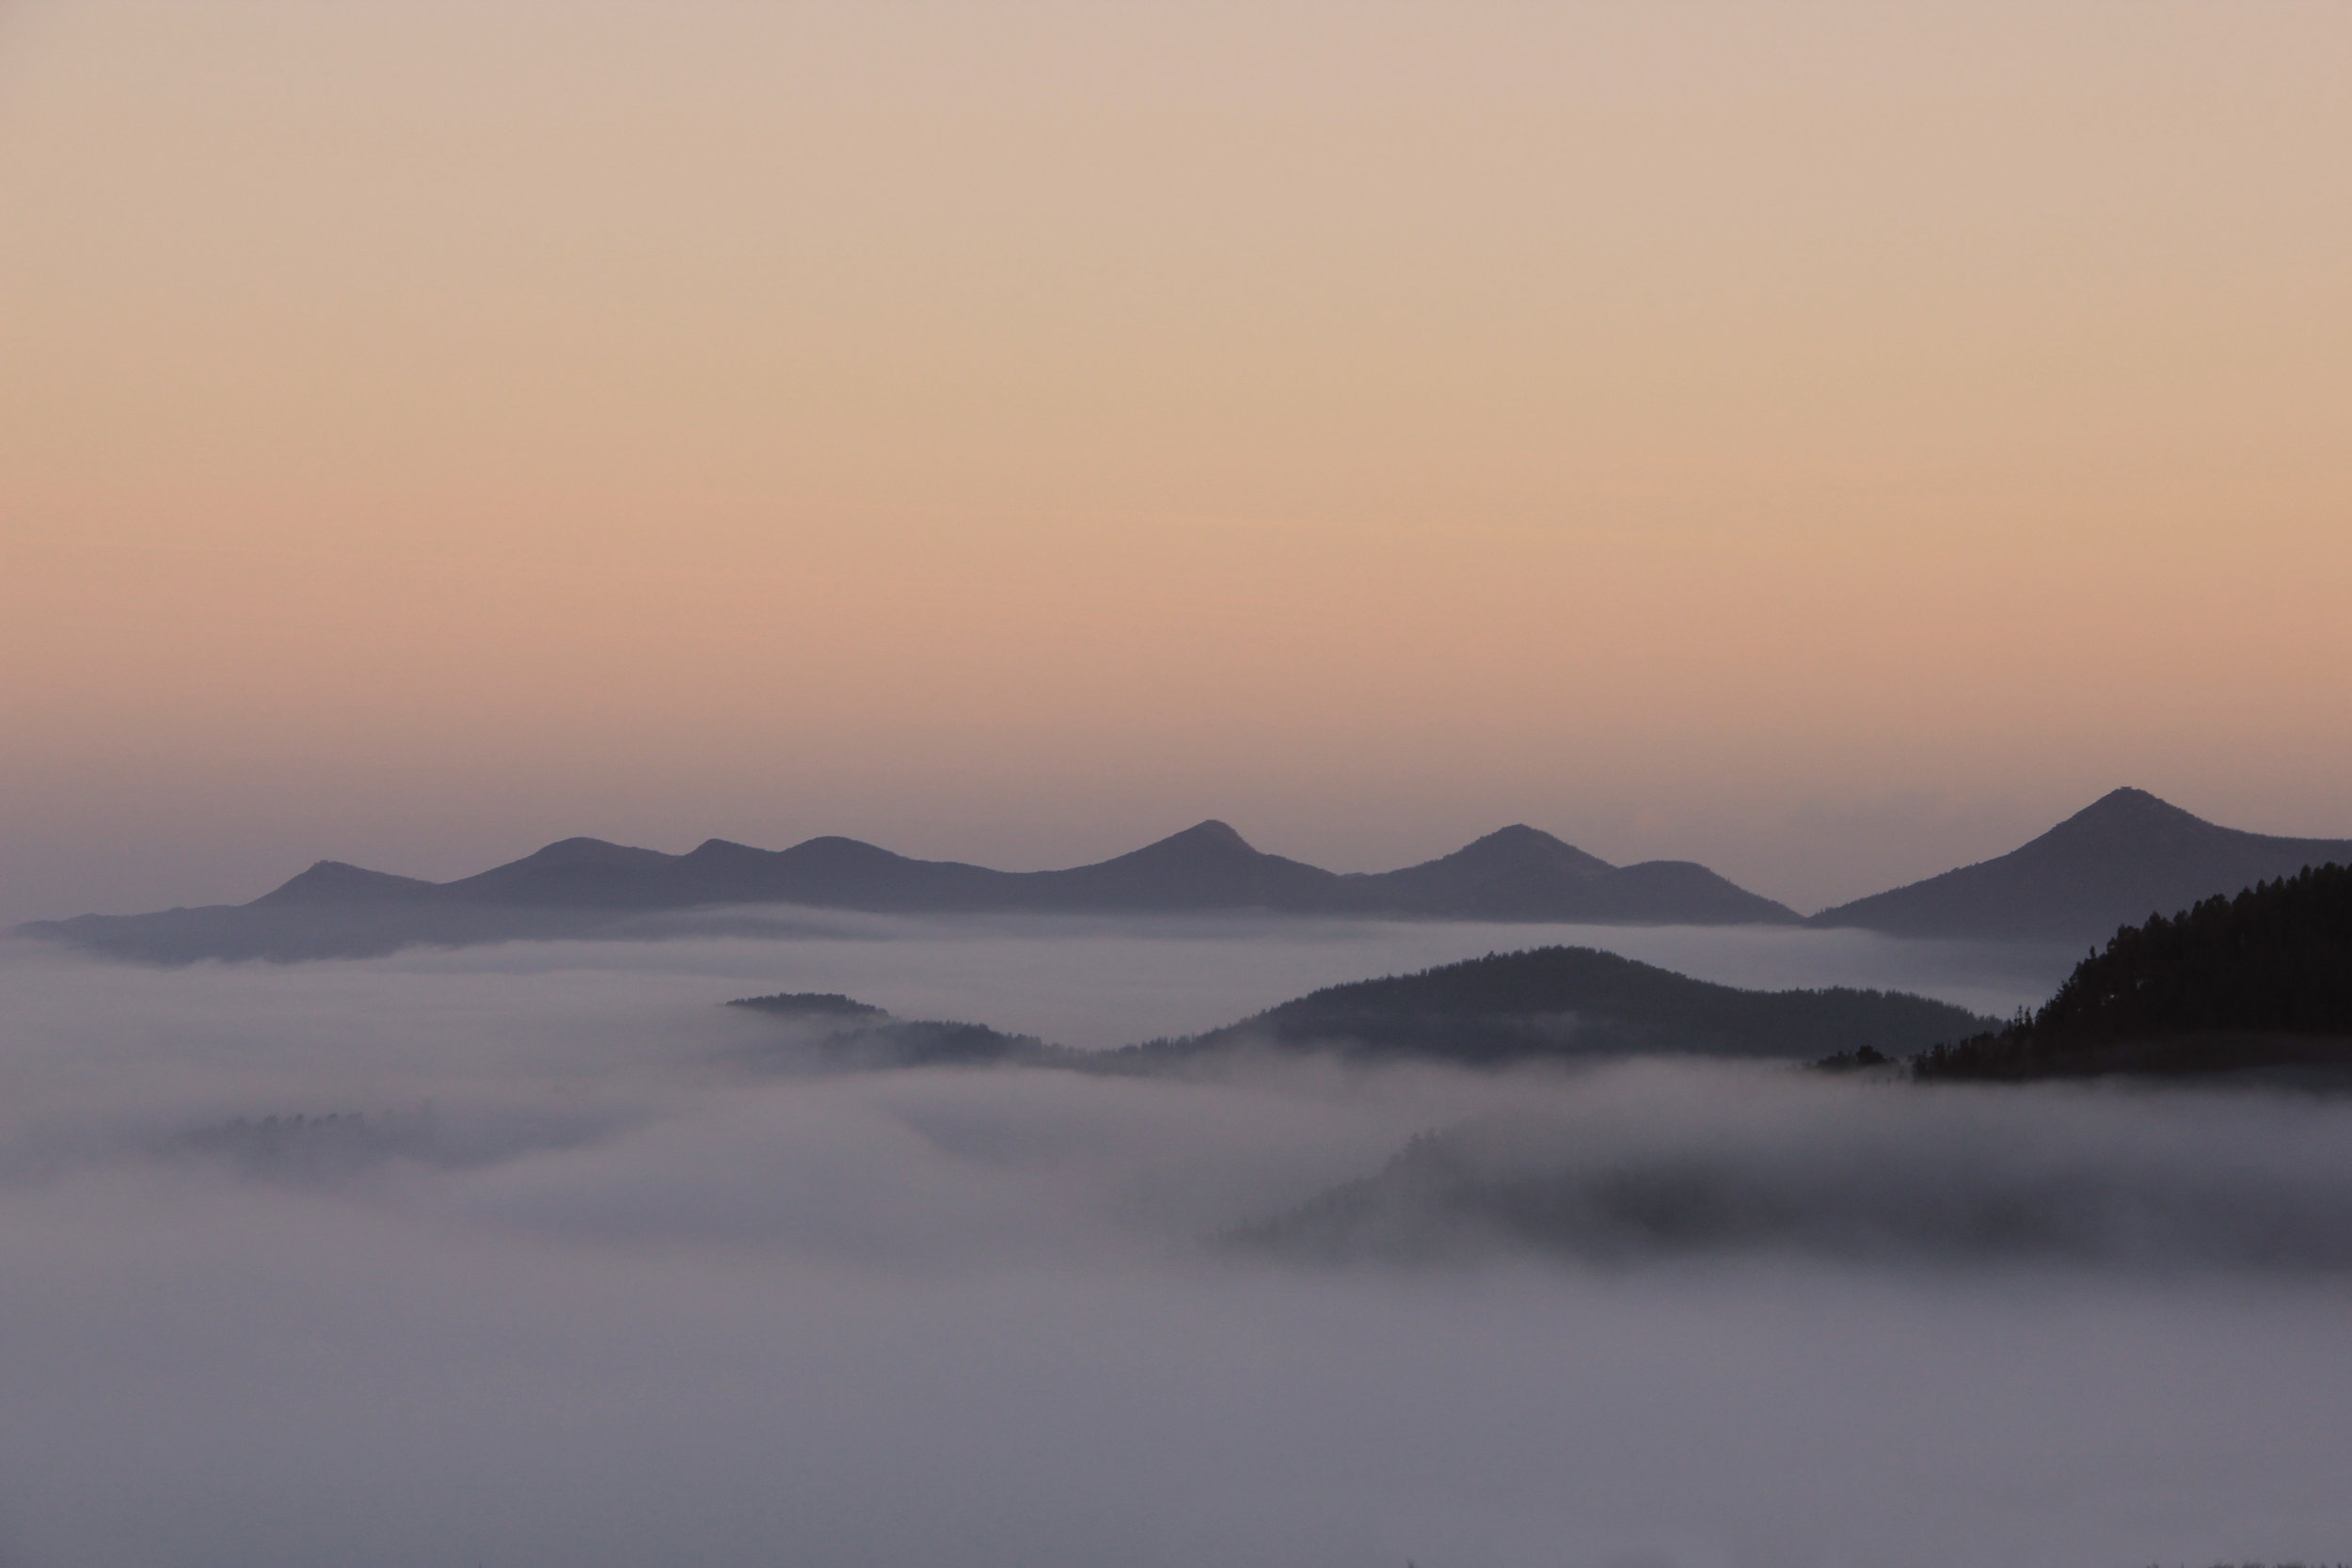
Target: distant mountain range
[(1517, 874), (2127, 856), (582, 886), (2115, 862)]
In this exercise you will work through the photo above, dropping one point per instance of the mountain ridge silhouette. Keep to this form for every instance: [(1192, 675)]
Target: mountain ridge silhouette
[(2125, 856), (1515, 873), (575, 886)]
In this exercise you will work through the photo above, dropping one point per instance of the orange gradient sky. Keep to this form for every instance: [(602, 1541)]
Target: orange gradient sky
[(1830, 441)]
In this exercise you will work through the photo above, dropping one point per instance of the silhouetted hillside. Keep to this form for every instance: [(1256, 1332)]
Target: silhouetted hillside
[(335, 882), (585, 886), (1208, 866), (831, 1033), (572, 873), (2115, 862), (1577, 1001), (1520, 873), (1679, 893), (1516, 867), (2261, 979)]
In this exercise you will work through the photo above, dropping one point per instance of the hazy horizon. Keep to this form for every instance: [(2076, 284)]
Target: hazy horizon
[(443, 858), (1831, 444)]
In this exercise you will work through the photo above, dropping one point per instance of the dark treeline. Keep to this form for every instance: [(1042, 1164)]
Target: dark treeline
[(809, 1003), (2259, 980), (1547, 1003), (829, 1031), (1558, 1002)]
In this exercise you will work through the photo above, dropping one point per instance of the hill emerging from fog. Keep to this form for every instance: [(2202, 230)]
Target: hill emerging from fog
[(1574, 1002), (2261, 981), (2264, 979), (585, 886), (2110, 864), (1546, 1003), (825, 1032)]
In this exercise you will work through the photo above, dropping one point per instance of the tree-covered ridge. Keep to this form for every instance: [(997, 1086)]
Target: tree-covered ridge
[(809, 1003), (1581, 1002), (2278, 956), (830, 1032), (2261, 977)]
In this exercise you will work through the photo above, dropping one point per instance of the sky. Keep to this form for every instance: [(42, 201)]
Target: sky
[(1830, 442)]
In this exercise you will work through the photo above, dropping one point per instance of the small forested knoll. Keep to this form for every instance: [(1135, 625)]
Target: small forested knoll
[(2260, 979), (809, 1003), (1577, 1001), (824, 1031)]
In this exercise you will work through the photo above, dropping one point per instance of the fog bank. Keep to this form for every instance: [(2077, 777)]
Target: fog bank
[(542, 1278), (1099, 981)]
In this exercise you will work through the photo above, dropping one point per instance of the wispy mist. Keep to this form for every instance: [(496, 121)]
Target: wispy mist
[(541, 1277), (1099, 981)]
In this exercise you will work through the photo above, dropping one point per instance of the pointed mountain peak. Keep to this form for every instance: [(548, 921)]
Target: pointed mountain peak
[(1212, 834), (1207, 866), (1520, 836), (2128, 802), (1517, 833), (567, 871), (588, 851), (1210, 843), (323, 875), (2109, 865), (578, 844), (1521, 845), (340, 882), (2124, 814)]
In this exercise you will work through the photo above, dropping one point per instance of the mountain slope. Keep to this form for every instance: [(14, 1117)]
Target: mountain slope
[(2261, 979), (572, 873), (337, 882), (1520, 873), (2109, 864), (1555, 1001), (1207, 866), (1679, 892), (1517, 868)]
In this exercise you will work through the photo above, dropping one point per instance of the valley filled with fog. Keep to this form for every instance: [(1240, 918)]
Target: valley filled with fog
[(506, 1256)]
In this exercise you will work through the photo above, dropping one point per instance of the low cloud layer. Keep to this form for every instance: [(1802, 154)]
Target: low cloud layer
[(1651, 1160), (540, 1275)]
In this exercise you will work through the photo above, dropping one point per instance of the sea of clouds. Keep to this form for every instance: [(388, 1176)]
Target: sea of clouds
[(501, 1256)]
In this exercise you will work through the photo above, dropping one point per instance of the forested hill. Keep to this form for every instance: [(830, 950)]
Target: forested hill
[(2261, 978), (824, 1031), (1557, 1002)]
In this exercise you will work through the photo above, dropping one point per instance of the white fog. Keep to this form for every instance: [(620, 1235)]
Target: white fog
[(570, 1287)]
